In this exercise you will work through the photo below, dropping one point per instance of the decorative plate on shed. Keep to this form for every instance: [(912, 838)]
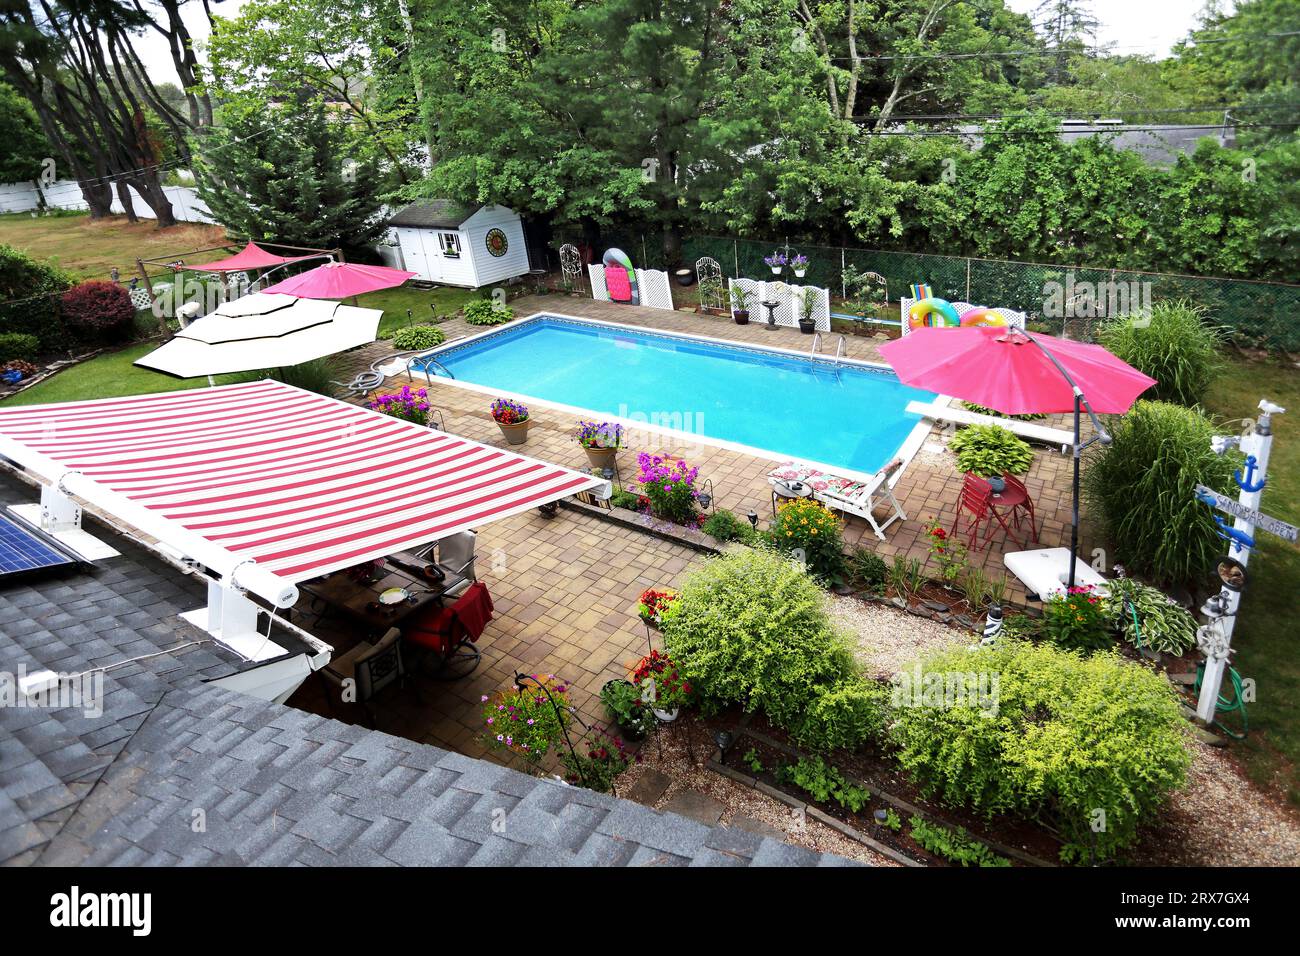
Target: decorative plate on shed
[(496, 243)]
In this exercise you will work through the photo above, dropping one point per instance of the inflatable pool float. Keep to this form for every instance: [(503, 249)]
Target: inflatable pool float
[(982, 317), (620, 277), (932, 312)]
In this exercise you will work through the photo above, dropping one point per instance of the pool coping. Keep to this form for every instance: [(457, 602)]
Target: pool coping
[(906, 451)]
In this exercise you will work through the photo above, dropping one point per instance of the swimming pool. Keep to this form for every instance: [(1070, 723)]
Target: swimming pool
[(849, 415)]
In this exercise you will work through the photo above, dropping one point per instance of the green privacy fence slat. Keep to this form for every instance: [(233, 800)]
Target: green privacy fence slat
[(1261, 314)]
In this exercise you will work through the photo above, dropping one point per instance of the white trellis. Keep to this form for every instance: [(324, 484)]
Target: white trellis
[(789, 302), (708, 274), (571, 266), (654, 291)]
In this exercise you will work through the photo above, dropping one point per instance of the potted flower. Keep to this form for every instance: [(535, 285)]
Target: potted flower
[(740, 305), (807, 303), (633, 715), (408, 405), (776, 261), (947, 552), (662, 685), (512, 418), (601, 441), (523, 719), (800, 265), (652, 605), (669, 485)]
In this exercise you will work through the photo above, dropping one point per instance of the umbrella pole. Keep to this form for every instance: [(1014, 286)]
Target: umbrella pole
[(1074, 502)]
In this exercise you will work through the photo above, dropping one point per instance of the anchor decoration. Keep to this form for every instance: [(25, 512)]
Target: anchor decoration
[(1249, 484), (1240, 540)]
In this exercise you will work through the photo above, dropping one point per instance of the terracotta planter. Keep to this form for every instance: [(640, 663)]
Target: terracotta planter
[(601, 457), (515, 434)]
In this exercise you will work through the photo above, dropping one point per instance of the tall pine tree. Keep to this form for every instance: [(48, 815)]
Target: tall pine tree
[(291, 174)]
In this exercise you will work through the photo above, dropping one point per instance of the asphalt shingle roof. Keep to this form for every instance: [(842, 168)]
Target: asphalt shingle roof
[(434, 214), (278, 786)]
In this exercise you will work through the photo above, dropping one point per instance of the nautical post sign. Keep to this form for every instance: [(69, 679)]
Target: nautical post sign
[(1287, 532), (1215, 637)]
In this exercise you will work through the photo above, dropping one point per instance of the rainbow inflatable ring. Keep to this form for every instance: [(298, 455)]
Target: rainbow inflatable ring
[(938, 313)]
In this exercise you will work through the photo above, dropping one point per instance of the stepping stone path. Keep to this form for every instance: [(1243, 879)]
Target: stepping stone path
[(743, 821), (695, 806), (649, 787)]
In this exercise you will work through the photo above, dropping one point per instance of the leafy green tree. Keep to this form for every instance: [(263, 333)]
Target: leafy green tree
[(355, 57), (23, 146), (289, 175)]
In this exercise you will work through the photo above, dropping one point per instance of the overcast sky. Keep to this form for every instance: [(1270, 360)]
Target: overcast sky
[(1133, 26)]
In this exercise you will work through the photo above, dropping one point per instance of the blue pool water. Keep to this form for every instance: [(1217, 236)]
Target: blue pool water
[(847, 416)]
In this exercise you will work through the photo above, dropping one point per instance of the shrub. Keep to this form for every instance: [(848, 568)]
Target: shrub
[(725, 526), (485, 312), (825, 783), (1142, 490), (749, 627), (28, 290), (991, 451), (1173, 344), (604, 760), (1163, 624), (868, 569), (981, 410), (1075, 621), (418, 337), (19, 345), (625, 499), (1071, 736), (99, 311), (803, 527), (315, 376)]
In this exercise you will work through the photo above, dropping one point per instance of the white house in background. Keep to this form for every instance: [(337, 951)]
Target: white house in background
[(452, 244)]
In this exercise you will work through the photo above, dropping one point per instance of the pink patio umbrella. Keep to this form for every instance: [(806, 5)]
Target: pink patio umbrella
[(340, 280), (1017, 373)]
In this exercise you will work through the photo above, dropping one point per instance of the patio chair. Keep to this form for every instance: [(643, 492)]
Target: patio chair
[(455, 553), (976, 498), (1028, 507), (447, 635), (366, 670), (848, 495)]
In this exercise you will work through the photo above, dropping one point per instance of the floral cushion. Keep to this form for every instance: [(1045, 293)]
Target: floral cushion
[(818, 480)]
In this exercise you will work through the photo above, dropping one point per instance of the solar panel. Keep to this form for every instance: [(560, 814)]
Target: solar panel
[(23, 551)]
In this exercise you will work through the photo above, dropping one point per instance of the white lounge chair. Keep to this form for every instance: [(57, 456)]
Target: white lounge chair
[(1040, 433), (847, 495)]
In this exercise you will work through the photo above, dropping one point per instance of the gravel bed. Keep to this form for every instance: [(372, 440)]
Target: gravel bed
[(889, 640)]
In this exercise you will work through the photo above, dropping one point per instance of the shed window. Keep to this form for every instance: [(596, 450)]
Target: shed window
[(449, 242)]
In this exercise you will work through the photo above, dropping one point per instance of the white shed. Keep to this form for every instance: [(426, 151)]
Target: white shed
[(453, 244)]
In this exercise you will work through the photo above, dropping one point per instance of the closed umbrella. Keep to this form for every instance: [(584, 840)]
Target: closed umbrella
[(1017, 373), (340, 280)]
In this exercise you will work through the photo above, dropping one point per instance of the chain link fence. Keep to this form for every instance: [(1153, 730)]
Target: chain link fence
[(1068, 299)]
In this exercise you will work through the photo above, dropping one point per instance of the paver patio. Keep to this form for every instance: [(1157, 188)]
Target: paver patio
[(566, 588)]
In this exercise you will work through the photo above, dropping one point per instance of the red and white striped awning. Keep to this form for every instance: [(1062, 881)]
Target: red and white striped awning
[(301, 483)]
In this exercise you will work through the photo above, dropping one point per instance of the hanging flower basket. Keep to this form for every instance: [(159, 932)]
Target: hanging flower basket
[(776, 262), (800, 265)]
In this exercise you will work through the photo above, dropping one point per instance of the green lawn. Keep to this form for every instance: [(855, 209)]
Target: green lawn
[(1267, 637), (88, 250)]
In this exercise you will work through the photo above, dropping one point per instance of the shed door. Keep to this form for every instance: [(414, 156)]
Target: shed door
[(417, 259)]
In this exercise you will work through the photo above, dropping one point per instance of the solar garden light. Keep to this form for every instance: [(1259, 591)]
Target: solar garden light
[(992, 625), (724, 740), (753, 518)]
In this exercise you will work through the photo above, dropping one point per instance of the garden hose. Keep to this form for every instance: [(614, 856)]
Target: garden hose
[(1137, 629), (1226, 705)]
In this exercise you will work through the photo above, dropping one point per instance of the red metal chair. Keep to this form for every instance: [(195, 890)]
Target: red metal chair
[(976, 497), (1027, 506)]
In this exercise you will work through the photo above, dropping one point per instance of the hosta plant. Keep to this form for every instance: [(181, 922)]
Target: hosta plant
[(990, 451)]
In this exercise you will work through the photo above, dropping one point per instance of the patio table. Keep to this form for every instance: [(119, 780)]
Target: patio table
[(359, 600), (1009, 498)]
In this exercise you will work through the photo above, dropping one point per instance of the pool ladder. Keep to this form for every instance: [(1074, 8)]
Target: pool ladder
[(839, 346)]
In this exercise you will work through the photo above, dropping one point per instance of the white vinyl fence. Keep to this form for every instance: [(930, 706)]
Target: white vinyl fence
[(789, 301), (66, 194)]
